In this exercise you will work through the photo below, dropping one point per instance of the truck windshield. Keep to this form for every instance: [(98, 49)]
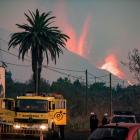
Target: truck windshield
[(31, 105)]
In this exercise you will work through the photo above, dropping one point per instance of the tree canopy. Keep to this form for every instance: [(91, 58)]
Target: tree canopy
[(134, 63), (40, 38)]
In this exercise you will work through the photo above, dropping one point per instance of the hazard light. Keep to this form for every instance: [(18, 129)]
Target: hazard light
[(30, 94), (123, 113), (57, 95)]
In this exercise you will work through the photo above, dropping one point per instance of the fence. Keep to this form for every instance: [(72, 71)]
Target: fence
[(9, 129)]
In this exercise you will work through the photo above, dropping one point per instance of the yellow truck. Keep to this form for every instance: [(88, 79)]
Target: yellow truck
[(45, 113)]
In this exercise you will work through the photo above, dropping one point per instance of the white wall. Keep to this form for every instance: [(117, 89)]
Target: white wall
[(2, 81)]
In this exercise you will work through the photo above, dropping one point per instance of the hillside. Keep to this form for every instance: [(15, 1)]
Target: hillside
[(68, 61)]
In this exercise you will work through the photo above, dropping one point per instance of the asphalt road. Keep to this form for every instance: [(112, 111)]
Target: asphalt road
[(80, 135)]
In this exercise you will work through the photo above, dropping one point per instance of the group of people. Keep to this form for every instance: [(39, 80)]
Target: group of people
[(94, 121)]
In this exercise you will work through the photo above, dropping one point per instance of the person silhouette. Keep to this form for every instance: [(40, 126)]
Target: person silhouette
[(92, 121), (104, 120)]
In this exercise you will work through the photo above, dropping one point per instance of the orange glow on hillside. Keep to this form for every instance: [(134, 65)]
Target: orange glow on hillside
[(111, 66)]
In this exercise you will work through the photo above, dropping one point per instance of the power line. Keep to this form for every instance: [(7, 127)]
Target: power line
[(64, 73), (3, 40), (52, 70), (97, 77), (48, 66), (30, 60), (13, 48), (66, 69), (51, 67), (15, 64), (103, 76), (14, 55)]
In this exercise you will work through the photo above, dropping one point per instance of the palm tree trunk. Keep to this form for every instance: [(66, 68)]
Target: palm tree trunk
[(34, 65), (37, 79), (40, 60), (36, 59)]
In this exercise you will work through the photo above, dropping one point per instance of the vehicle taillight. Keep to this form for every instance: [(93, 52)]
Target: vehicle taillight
[(126, 138), (45, 121), (16, 120)]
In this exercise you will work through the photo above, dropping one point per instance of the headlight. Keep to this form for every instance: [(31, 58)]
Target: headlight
[(43, 127), (16, 126)]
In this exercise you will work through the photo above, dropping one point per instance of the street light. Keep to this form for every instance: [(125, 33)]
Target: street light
[(37, 76)]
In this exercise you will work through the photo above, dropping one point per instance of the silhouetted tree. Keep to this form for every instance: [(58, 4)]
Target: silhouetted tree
[(134, 63), (38, 37)]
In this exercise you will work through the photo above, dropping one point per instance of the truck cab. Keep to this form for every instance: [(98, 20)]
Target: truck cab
[(45, 112)]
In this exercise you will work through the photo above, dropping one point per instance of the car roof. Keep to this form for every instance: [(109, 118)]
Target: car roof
[(125, 125), (124, 115)]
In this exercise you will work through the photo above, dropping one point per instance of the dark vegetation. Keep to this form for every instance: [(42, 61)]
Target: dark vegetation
[(75, 92)]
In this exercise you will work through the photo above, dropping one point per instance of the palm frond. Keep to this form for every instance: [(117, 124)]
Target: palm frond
[(49, 24), (29, 19), (47, 20), (33, 17), (37, 17)]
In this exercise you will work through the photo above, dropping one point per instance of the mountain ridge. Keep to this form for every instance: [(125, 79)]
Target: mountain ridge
[(68, 61)]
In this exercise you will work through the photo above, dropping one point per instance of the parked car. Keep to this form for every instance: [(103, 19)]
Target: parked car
[(117, 131), (123, 118)]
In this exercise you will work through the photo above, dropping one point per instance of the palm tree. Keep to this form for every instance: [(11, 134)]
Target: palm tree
[(40, 38)]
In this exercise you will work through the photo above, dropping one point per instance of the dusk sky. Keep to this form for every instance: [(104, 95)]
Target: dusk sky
[(101, 31)]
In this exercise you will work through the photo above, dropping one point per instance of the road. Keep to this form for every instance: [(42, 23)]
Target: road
[(80, 135)]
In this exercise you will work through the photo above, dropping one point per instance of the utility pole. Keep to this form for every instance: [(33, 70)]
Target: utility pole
[(110, 97), (37, 76), (123, 84), (37, 79), (86, 92), (95, 79)]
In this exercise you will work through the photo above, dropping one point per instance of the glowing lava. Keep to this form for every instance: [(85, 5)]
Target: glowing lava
[(83, 38), (76, 44), (111, 66), (130, 83)]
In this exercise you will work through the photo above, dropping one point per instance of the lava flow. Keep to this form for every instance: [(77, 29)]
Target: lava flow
[(111, 66)]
